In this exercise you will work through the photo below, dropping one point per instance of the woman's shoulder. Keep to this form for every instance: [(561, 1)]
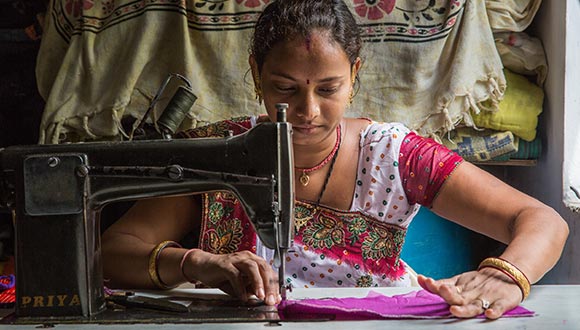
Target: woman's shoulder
[(374, 131), (378, 191)]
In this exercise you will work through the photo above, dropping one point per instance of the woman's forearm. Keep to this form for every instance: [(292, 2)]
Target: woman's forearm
[(538, 238), (125, 261), (128, 243)]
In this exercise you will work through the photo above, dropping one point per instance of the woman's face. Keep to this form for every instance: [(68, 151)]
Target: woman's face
[(313, 75)]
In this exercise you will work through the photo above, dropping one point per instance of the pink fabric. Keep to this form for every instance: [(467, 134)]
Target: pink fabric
[(414, 305)]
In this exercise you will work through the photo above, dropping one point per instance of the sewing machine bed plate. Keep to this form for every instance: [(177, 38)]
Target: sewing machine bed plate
[(135, 315), (201, 308)]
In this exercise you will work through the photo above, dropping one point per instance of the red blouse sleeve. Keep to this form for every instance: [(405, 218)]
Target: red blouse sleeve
[(425, 165)]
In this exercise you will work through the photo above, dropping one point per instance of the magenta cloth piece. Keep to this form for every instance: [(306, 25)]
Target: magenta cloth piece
[(415, 305)]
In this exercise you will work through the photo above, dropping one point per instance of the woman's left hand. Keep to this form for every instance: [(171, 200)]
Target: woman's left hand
[(487, 291)]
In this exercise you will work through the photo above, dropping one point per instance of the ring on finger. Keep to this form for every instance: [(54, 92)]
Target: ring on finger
[(484, 303)]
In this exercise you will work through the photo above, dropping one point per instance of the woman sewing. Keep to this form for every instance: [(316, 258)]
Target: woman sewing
[(359, 184)]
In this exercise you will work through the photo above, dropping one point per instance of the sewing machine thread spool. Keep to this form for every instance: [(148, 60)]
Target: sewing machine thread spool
[(175, 112)]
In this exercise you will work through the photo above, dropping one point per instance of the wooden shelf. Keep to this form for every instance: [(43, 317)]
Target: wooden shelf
[(512, 162)]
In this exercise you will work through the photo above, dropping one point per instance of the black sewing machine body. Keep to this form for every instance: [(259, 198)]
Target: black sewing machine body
[(56, 194)]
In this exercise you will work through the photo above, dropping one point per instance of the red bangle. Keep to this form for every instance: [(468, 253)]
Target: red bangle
[(524, 275), (182, 263)]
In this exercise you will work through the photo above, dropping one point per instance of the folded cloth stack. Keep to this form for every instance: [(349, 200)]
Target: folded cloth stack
[(479, 146), (522, 54), (509, 133), (525, 150), (518, 111), (490, 145), (511, 15)]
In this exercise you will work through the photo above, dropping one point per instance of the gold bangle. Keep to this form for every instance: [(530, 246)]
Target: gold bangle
[(511, 271), (154, 258)]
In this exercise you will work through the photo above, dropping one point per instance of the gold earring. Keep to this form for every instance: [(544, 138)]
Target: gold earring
[(351, 93), (257, 90), (353, 75)]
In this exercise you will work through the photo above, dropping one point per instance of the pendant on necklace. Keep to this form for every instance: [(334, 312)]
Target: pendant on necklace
[(304, 178)]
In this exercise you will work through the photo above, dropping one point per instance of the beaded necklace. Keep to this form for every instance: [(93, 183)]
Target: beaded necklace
[(304, 177), (330, 170)]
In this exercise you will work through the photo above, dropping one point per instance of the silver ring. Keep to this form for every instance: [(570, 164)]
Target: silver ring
[(484, 303)]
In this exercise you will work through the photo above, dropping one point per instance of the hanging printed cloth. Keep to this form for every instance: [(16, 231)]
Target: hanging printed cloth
[(426, 62)]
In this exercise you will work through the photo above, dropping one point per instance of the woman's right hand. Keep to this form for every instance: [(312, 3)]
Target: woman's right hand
[(240, 274)]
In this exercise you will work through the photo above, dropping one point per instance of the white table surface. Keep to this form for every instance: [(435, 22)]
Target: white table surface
[(556, 306)]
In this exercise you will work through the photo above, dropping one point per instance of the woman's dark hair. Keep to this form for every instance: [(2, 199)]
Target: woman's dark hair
[(283, 20)]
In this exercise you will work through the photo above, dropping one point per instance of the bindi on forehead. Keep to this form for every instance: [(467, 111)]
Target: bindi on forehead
[(307, 81), (308, 42)]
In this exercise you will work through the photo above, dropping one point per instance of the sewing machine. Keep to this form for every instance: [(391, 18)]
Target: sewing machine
[(56, 194)]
